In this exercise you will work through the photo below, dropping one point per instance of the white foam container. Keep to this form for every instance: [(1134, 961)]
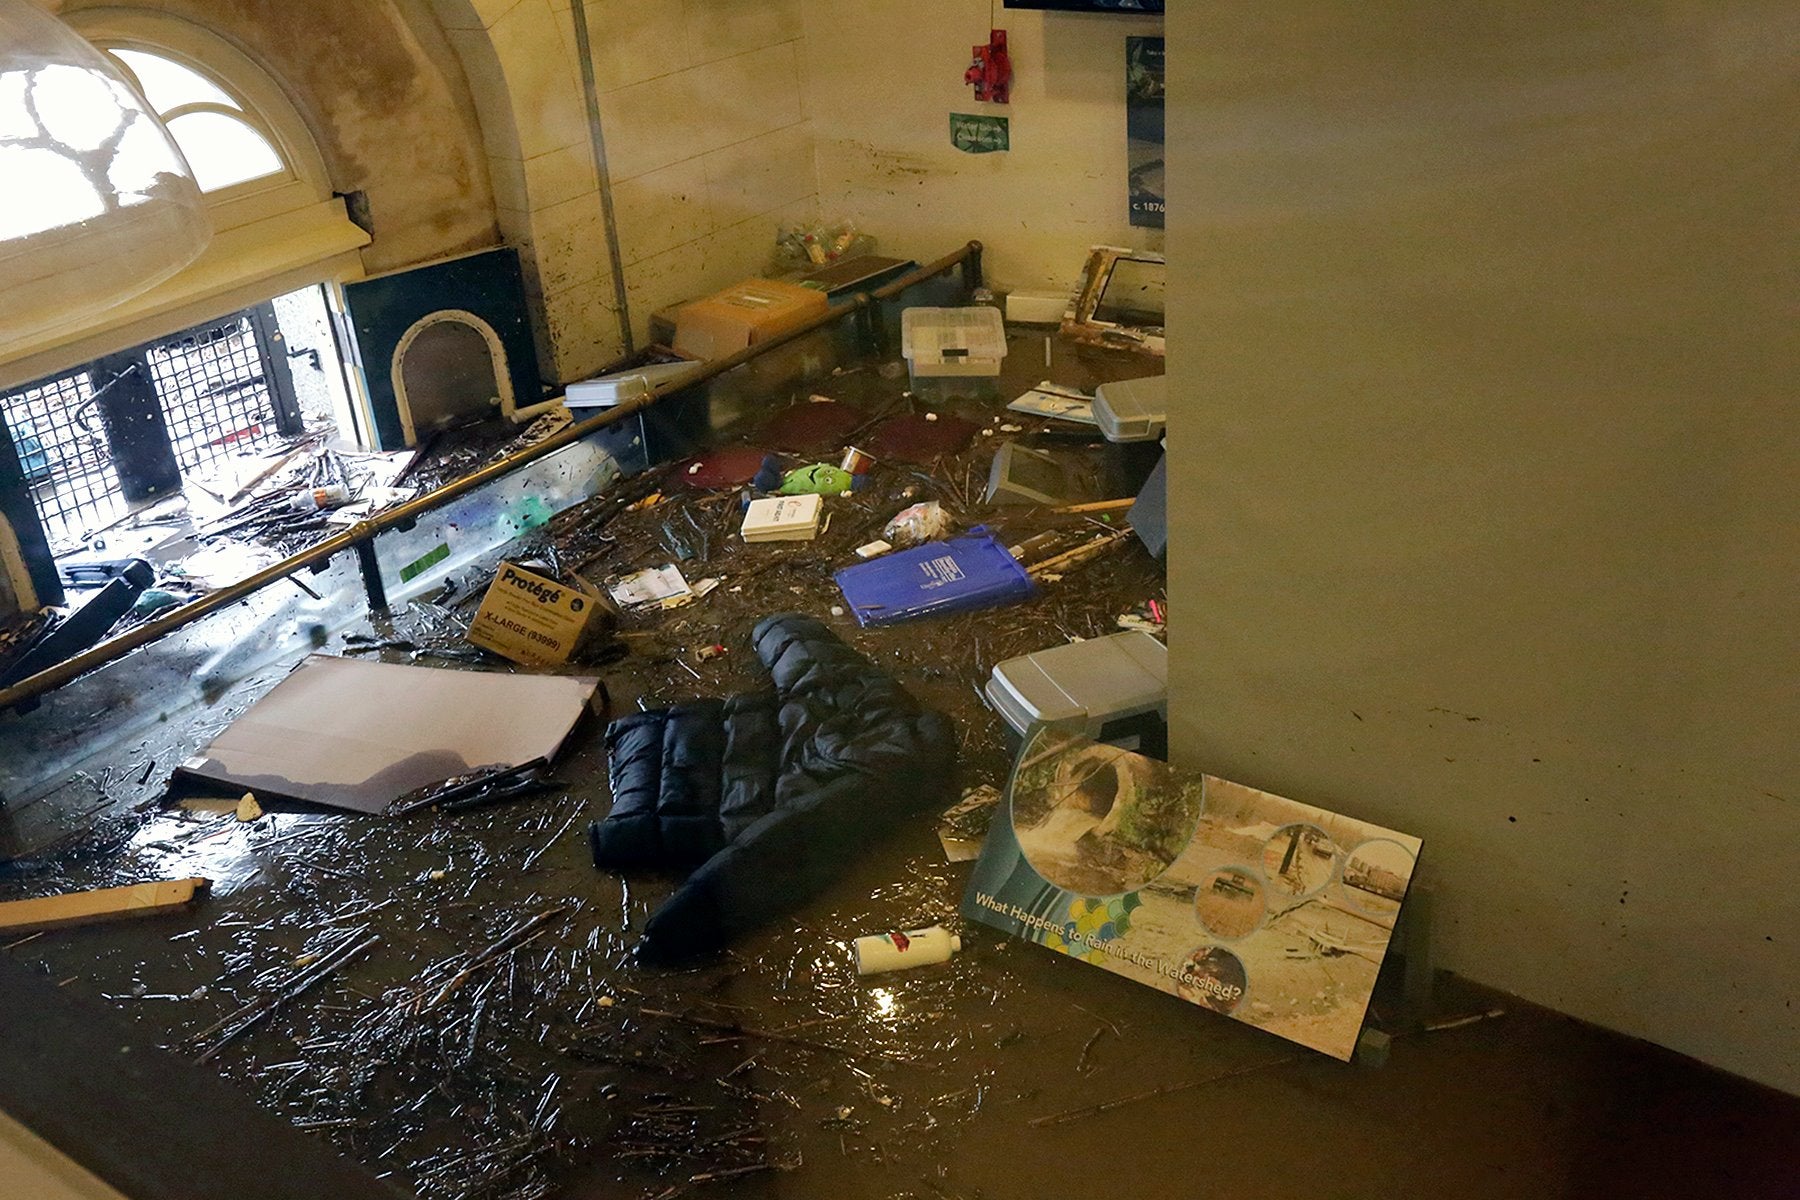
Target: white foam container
[(1083, 688), (1133, 410), (606, 391)]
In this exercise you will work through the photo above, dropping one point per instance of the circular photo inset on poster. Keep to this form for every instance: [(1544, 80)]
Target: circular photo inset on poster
[(1230, 903), (1298, 860), (1376, 873), (1213, 976), (1097, 820)]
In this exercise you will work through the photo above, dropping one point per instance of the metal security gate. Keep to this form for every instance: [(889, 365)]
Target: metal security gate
[(215, 389)]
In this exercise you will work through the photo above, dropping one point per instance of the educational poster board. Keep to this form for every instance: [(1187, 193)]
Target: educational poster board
[(1272, 912), (1144, 129)]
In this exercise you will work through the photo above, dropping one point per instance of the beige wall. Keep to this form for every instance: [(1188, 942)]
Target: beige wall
[(709, 139), (884, 77), (1484, 328)]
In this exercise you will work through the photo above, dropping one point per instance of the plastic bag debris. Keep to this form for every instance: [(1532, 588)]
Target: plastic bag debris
[(920, 523)]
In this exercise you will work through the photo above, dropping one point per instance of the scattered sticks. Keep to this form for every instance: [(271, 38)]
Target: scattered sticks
[(512, 939), (1080, 554), (531, 859), (236, 1024)]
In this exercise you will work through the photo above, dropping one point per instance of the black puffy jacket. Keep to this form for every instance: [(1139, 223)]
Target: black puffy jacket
[(768, 795)]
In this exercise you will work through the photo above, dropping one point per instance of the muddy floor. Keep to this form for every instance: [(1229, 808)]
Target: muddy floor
[(452, 999)]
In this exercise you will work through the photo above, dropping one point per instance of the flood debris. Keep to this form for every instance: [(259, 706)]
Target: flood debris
[(536, 619), (504, 1039), (490, 785), (353, 734), (879, 953), (959, 574), (963, 829), (1457, 1022), (651, 587), (236, 1024), (1059, 565), (519, 935)]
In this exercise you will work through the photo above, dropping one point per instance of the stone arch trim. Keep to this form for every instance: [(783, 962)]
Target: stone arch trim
[(522, 70), (496, 356)]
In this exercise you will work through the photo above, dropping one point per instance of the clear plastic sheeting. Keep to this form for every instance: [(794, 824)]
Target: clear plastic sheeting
[(100, 206), (447, 539)]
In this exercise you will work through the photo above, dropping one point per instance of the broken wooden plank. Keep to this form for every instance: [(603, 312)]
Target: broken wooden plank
[(1080, 554), (103, 904), (1099, 506)]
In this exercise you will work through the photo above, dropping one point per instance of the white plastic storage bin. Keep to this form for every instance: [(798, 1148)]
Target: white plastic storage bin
[(953, 349), (1111, 689), (1133, 410)]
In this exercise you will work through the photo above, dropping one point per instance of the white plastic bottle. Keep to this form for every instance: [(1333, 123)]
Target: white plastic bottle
[(896, 951)]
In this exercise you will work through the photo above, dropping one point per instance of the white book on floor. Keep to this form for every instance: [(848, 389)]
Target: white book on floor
[(783, 519)]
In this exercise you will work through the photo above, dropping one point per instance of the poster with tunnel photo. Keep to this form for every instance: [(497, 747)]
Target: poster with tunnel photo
[(1144, 129), (1272, 912)]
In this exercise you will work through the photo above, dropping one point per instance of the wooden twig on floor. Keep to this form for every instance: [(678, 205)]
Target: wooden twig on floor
[(1076, 1114), (256, 1012), (767, 1036), (1080, 554), (531, 859), (515, 937), (1098, 506)]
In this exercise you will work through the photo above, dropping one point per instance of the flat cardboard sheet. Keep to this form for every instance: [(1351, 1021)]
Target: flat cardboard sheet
[(356, 735), (1272, 912)]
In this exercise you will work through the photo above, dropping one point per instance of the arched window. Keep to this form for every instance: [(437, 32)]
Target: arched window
[(223, 144), (250, 149), (276, 224)]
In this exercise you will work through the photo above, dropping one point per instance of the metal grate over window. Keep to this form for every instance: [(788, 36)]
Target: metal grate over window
[(64, 454), (214, 391), (213, 385)]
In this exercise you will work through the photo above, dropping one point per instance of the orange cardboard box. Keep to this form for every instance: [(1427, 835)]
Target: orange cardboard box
[(742, 315)]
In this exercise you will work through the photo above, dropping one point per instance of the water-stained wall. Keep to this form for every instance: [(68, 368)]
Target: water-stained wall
[(884, 77)]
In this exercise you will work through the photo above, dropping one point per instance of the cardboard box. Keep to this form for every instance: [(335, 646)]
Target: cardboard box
[(743, 315), (535, 620)]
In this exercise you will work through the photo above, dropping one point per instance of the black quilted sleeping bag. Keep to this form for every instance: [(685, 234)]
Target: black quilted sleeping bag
[(768, 795)]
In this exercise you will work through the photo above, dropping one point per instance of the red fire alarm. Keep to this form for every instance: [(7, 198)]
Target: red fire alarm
[(991, 72)]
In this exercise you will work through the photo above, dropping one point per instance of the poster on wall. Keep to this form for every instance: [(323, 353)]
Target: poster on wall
[(1144, 128), (1272, 912)]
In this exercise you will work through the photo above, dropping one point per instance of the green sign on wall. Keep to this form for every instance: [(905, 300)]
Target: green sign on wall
[(975, 134)]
